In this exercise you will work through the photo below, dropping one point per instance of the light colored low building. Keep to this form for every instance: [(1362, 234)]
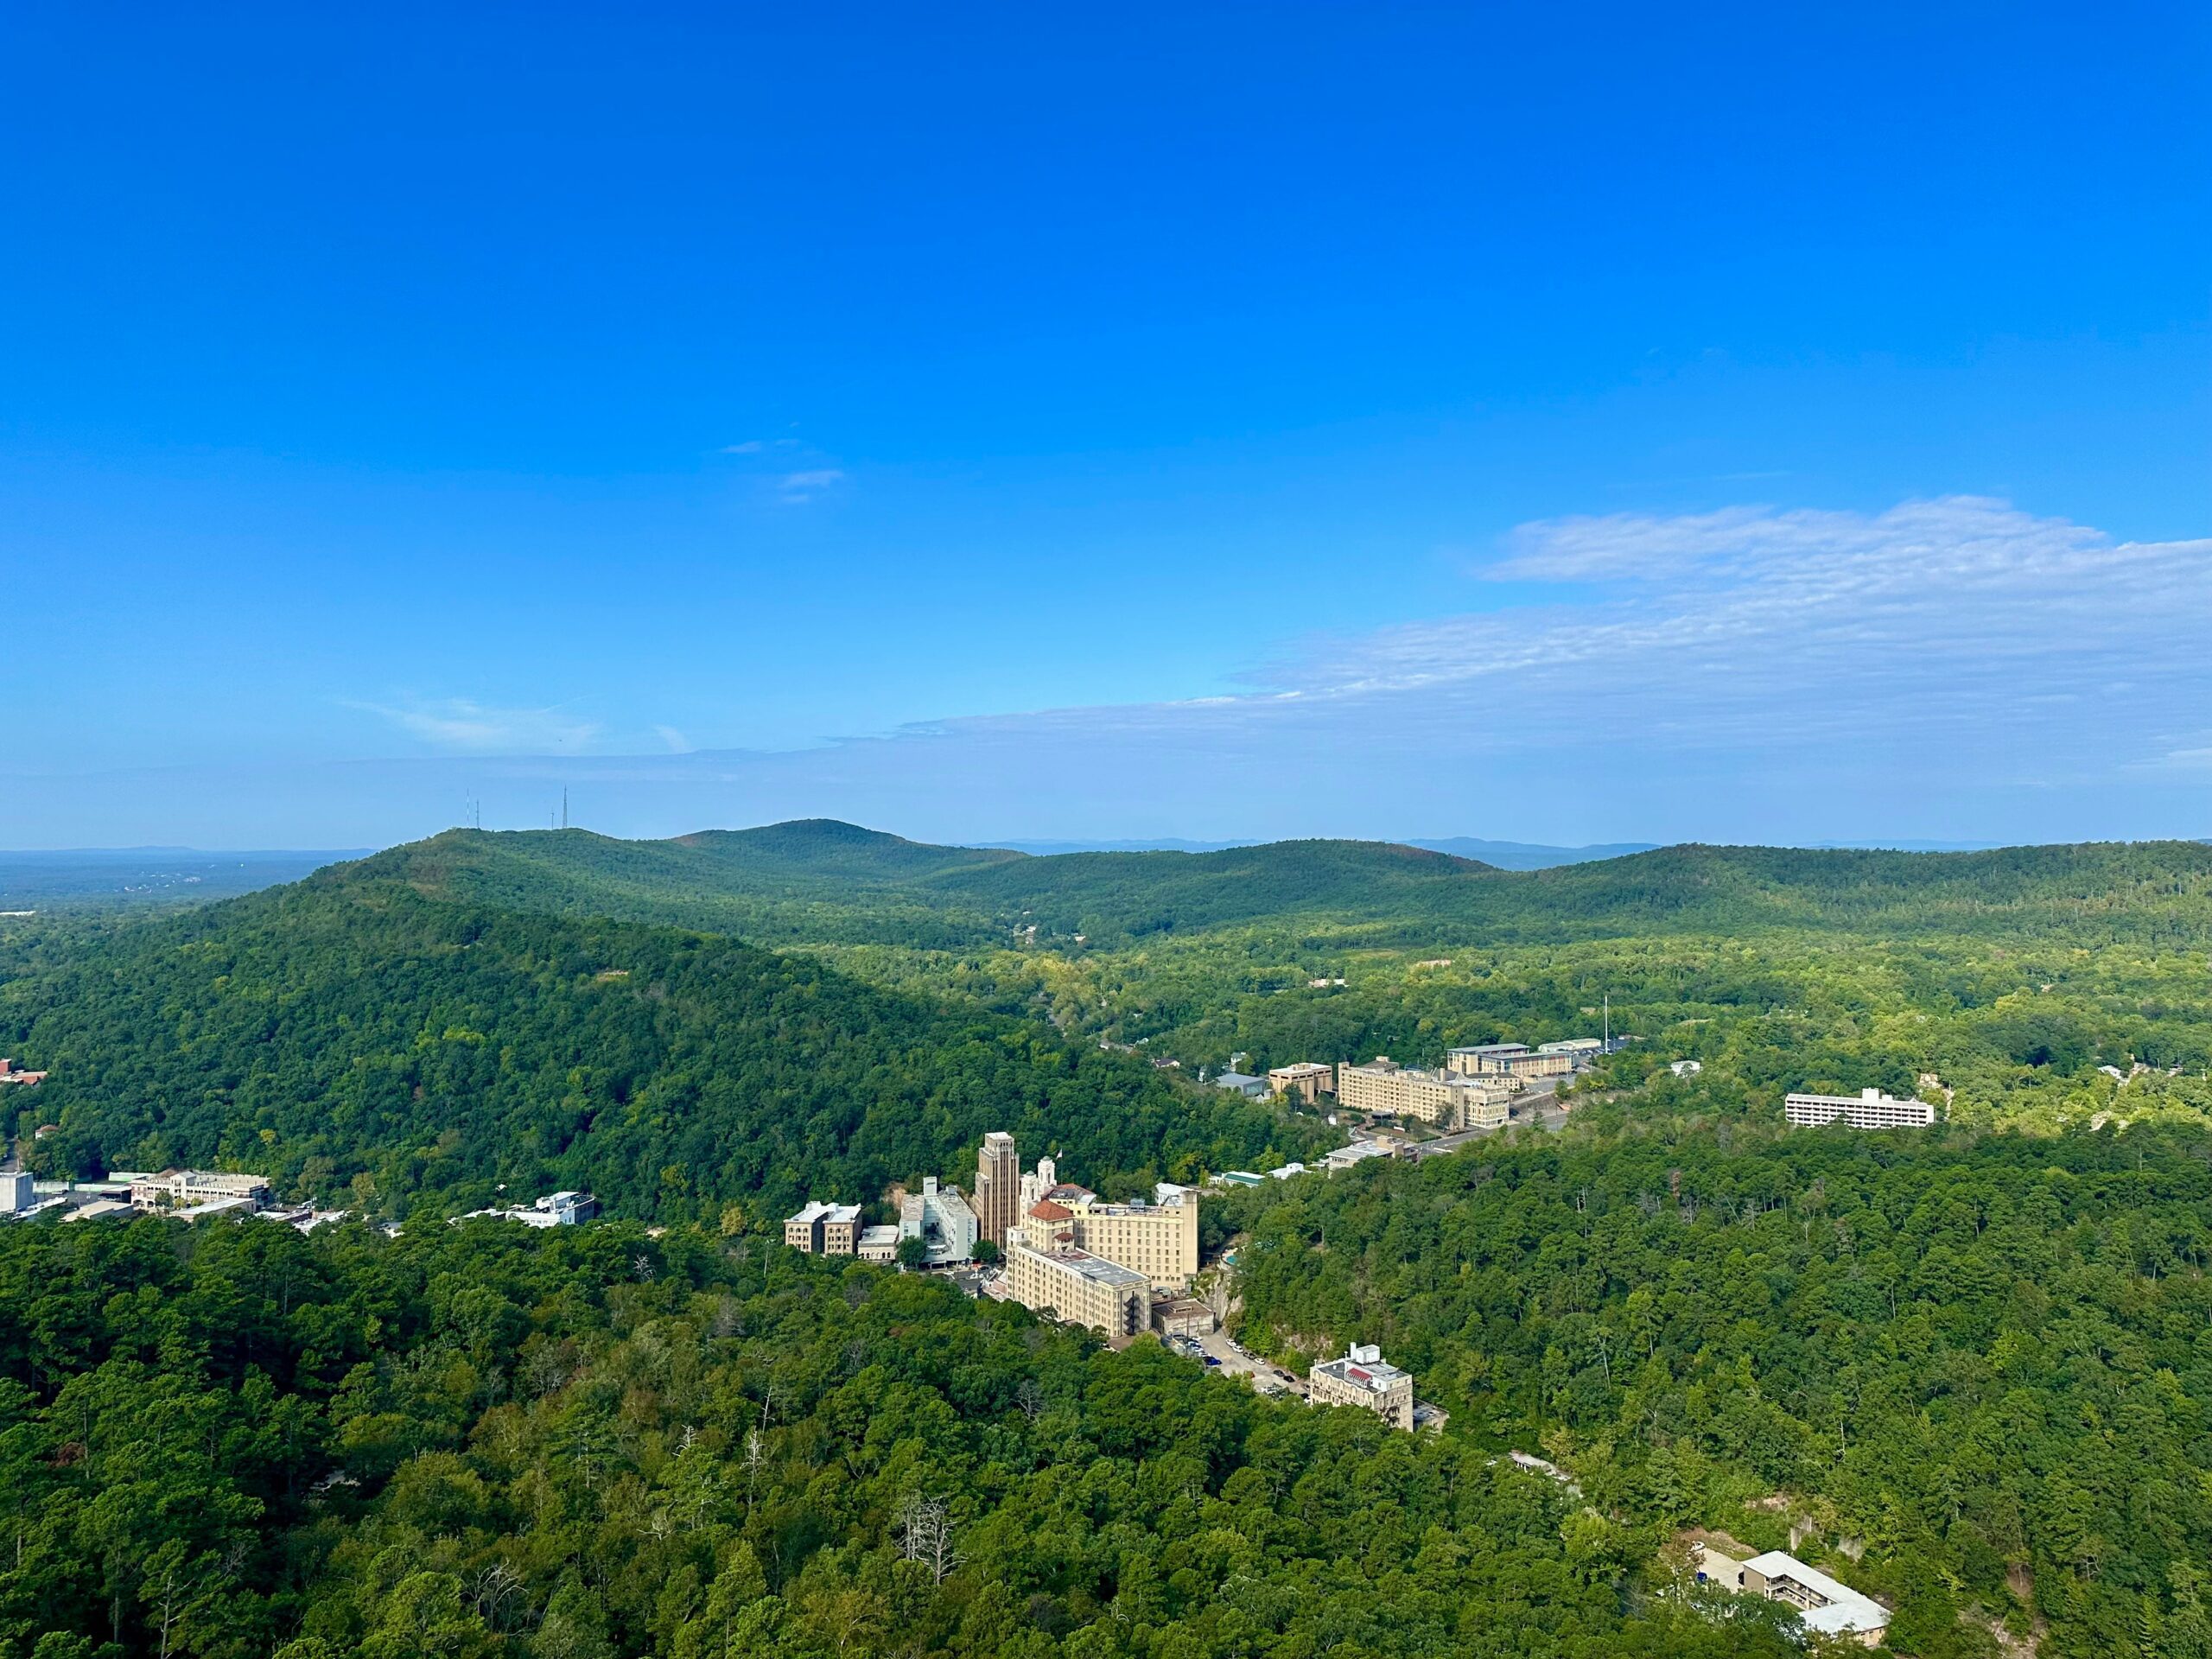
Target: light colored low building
[(942, 1219), (1242, 1082), (1077, 1287), (190, 1189), (1826, 1605), (1450, 1101), (879, 1243), (1358, 1153), (1180, 1316), (1868, 1110), (1508, 1060), (1308, 1079), (824, 1229), (1363, 1377), (16, 1194)]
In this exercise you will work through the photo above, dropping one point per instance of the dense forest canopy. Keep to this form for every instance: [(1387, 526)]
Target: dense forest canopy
[(356, 1041), (236, 1441), (1985, 1360)]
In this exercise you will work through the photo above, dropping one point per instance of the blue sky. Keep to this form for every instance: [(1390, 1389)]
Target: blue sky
[(1566, 425)]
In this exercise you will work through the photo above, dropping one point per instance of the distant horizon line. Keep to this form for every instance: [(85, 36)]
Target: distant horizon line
[(1038, 846)]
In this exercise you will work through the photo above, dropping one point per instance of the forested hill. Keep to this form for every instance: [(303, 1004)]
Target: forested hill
[(353, 1038), (821, 882)]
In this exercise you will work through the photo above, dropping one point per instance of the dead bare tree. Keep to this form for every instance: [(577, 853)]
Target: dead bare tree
[(925, 1535)]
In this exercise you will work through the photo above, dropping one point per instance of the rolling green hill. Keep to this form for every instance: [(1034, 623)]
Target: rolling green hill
[(819, 881), (349, 1034)]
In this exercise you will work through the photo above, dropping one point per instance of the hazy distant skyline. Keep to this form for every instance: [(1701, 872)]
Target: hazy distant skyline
[(1738, 426)]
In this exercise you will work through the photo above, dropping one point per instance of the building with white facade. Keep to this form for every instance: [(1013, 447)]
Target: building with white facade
[(1870, 1109), (942, 1219), (1363, 1377), (17, 1193)]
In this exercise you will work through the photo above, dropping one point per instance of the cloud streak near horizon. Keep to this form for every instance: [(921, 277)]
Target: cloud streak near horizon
[(1948, 668)]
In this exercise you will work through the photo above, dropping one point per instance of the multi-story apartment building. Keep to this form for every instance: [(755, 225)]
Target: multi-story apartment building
[(1158, 1240), (187, 1189), (1472, 1102), (942, 1219), (824, 1229), (1077, 1287), (1306, 1079), (1868, 1110), (1826, 1605), (1510, 1060), (1362, 1377), (998, 1188)]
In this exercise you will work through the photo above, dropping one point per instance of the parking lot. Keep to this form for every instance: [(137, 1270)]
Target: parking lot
[(1225, 1355)]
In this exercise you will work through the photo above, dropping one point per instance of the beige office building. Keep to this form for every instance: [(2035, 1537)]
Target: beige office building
[(1077, 1287), (998, 1188), (1308, 1079), (1363, 1378), (1438, 1097), (1510, 1060)]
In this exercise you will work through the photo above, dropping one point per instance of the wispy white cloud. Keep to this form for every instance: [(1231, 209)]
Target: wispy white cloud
[(797, 488), (678, 743), (461, 724)]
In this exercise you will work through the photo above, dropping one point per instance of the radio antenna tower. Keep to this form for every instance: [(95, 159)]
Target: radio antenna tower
[(564, 806)]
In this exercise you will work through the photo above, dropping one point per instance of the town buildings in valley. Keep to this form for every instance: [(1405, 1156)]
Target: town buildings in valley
[(822, 1228), (1448, 1099), (1870, 1109), (942, 1220), (10, 1072), (1363, 1377)]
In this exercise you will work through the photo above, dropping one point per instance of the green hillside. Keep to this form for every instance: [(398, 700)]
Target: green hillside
[(822, 881), (351, 1035)]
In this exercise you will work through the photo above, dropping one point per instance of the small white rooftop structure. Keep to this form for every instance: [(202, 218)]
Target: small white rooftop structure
[(1358, 1152), (1826, 1605)]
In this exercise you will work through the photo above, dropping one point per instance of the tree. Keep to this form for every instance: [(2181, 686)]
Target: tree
[(913, 1252)]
